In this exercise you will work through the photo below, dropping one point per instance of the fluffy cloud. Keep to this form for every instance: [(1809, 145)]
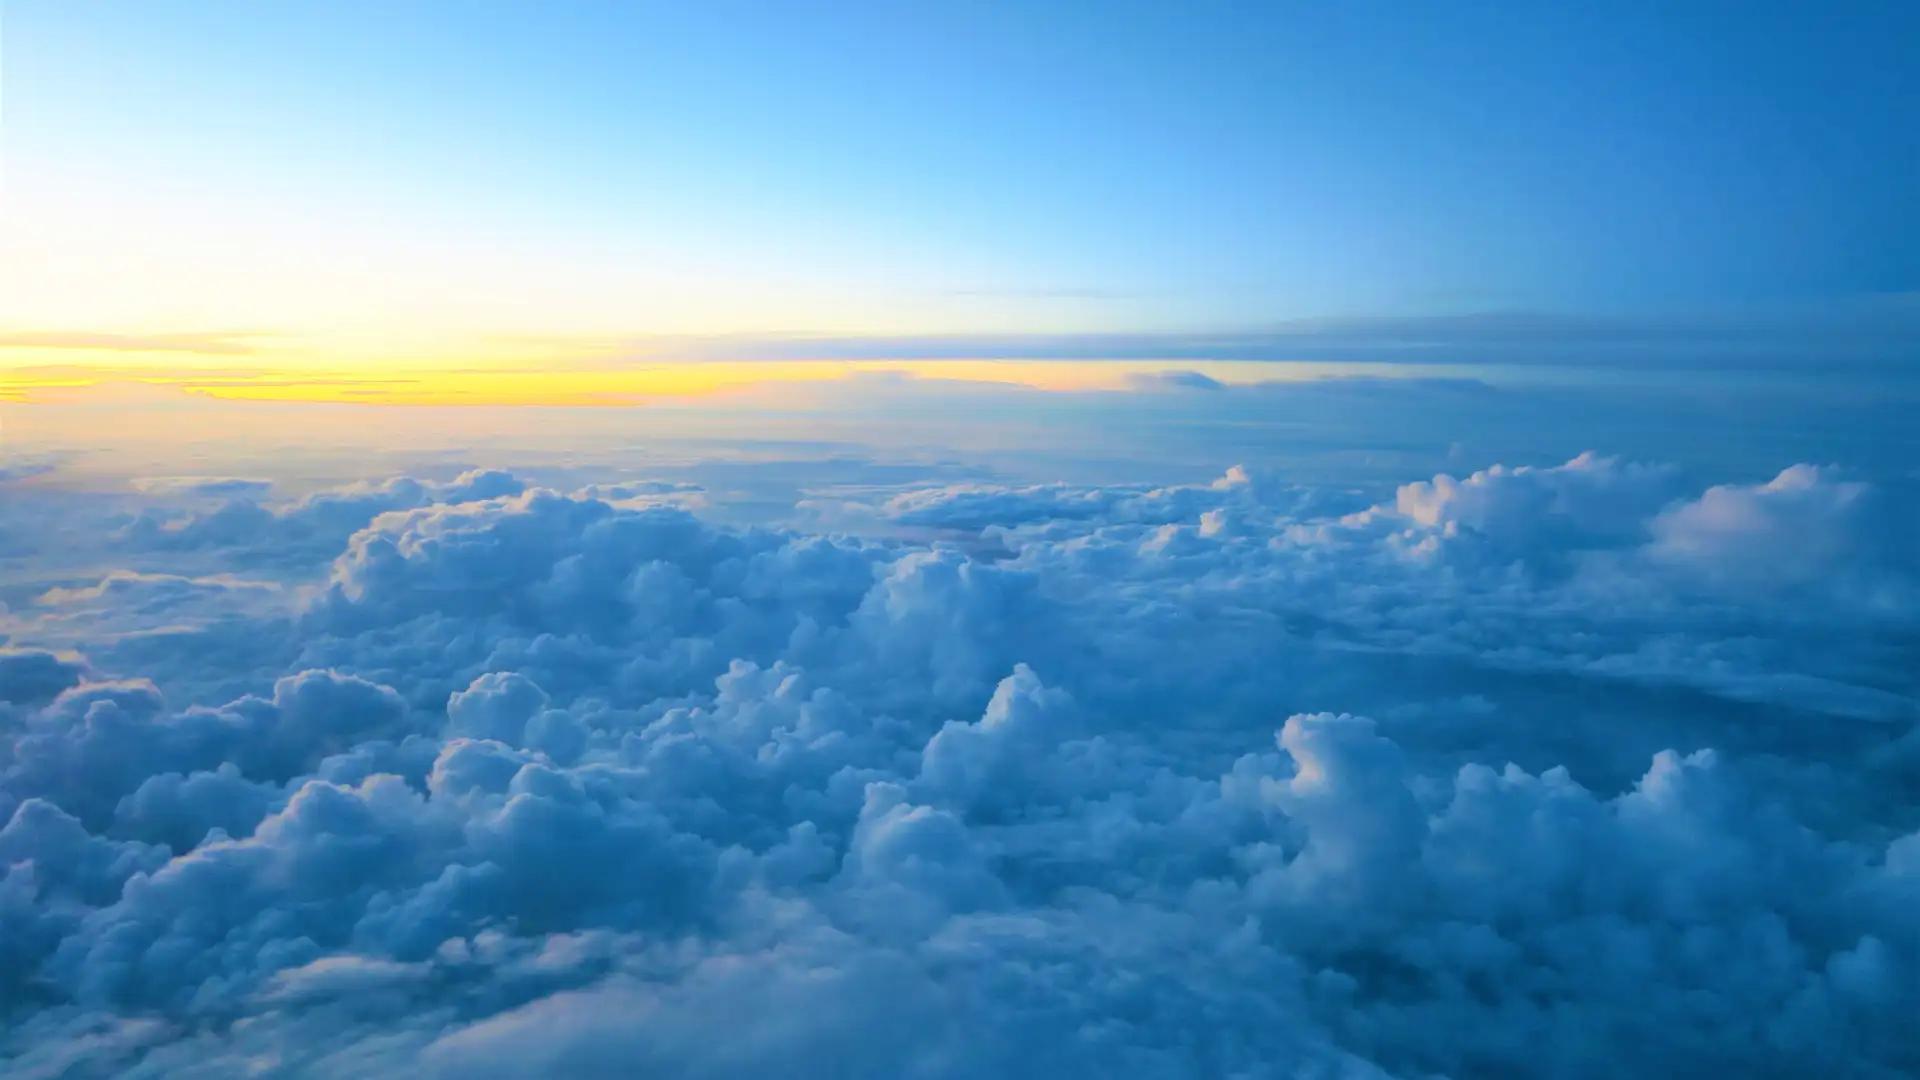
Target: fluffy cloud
[(1807, 529), (318, 524), (34, 676), (528, 782)]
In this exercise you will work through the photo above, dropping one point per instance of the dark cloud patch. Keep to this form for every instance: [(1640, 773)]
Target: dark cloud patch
[(1175, 380)]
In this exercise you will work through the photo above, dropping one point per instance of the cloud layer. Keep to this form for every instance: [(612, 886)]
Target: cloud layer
[(1569, 771)]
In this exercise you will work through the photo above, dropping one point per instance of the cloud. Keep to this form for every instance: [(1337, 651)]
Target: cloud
[(1807, 528), (212, 486), (19, 468), (34, 676), (1872, 332), (312, 527), (122, 590), (1586, 503), (1174, 380), (1566, 770)]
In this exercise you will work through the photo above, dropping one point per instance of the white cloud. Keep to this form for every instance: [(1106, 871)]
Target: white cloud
[(534, 782)]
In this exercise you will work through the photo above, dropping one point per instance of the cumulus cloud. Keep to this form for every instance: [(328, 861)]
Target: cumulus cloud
[(33, 676), (1562, 770), (312, 526), (1809, 528)]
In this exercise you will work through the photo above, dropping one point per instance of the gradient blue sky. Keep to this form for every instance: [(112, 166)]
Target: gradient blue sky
[(420, 172)]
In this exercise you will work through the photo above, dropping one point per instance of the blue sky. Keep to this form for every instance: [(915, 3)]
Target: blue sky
[(428, 170)]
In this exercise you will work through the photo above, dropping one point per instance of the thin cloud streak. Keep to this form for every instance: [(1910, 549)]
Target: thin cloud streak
[(213, 343), (1876, 332)]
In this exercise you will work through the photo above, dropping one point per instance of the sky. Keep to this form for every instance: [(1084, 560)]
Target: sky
[(418, 185), (947, 541)]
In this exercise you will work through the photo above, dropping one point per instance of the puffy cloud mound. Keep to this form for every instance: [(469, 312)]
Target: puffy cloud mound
[(35, 676), (534, 783), (312, 526), (1807, 529)]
